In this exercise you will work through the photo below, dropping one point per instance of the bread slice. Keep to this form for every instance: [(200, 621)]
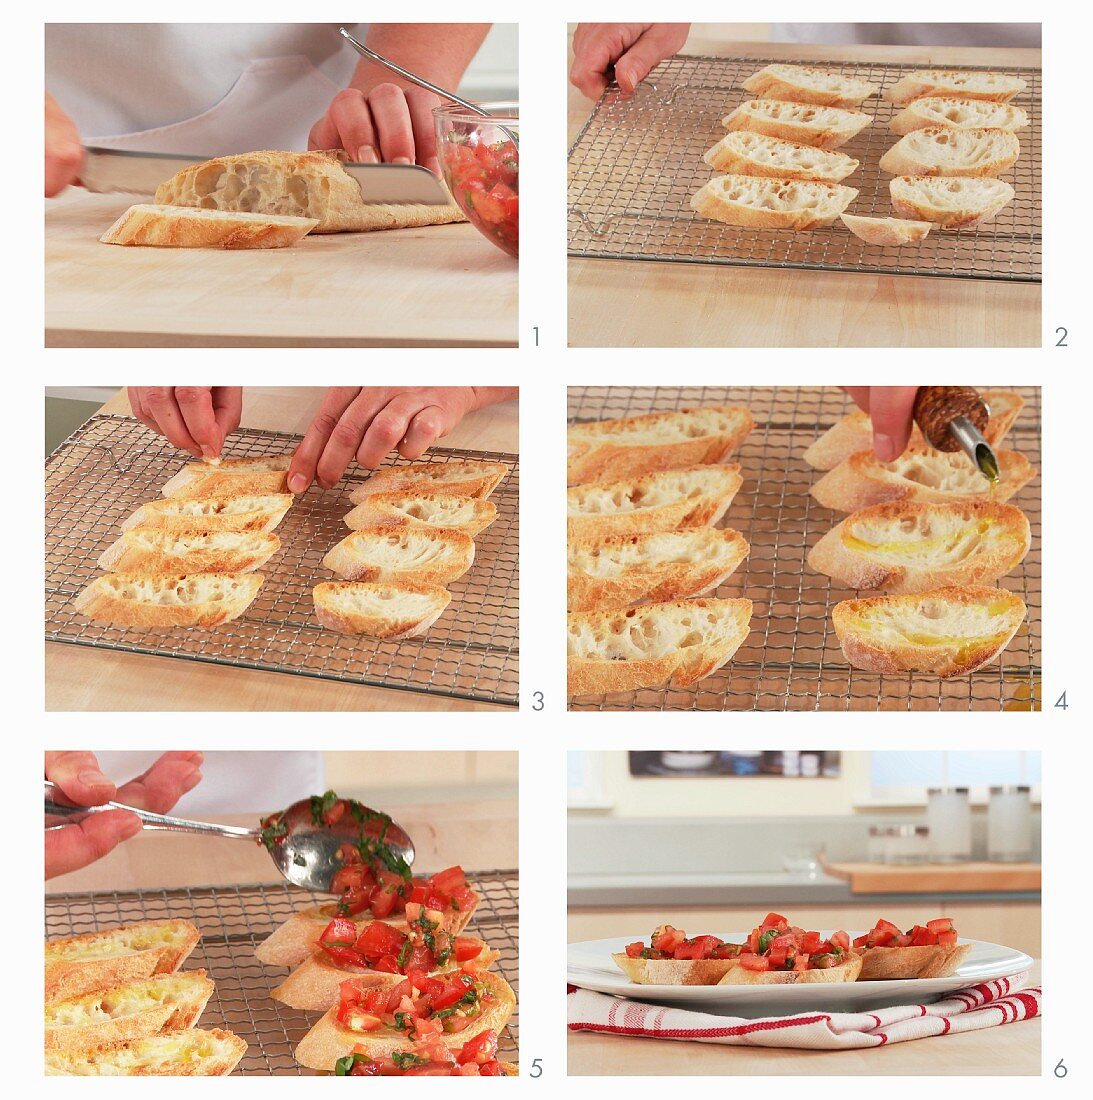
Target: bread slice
[(427, 555), (886, 964), (147, 600), (183, 227), (380, 609), (662, 565), (957, 114), (311, 185), (886, 231), (993, 87), (467, 514), (945, 632), (167, 1002), (846, 972), (822, 127), (76, 965), (611, 450), (697, 496), (194, 1052), (230, 477), (152, 551), (937, 151), (256, 514), (803, 84), (458, 478), (760, 203), (678, 643), (909, 546), (953, 202), (747, 154), (674, 971), (919, 475)]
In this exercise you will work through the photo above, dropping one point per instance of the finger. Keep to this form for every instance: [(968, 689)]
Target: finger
[(424, 430), (638, 61), (195, 404), (302, 469), (164, 783), (80, 843), (353, 121), (387, 429), (347, 437), (324, 134), (391, 118), (138, 409), (421, 104), (592, 58), (859, 395), (228, 409), (80, 778), (63, 161), (161, 405), (890, 409)]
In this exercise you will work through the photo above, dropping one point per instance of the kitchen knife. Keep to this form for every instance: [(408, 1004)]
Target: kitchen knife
[(141, 173)]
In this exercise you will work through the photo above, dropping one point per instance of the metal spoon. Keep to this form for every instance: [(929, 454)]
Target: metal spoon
[(307, 855)]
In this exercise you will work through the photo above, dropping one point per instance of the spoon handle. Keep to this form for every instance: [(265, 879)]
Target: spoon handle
[(160, 822)]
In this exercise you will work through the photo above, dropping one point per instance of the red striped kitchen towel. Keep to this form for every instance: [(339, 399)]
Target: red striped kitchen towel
[(1003, 1001)]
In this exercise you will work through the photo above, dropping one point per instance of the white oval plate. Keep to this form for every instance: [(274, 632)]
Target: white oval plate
[(591, 967)]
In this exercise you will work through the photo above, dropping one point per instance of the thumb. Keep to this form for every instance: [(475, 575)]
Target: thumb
[(638, 61)]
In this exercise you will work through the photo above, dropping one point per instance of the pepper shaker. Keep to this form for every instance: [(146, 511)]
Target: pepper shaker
[(953, 418)]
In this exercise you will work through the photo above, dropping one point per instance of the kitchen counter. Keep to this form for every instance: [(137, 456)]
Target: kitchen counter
[(436, 286), (81, 678), (623, 303)]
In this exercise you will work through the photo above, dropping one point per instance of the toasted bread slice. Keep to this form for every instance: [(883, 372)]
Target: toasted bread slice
[(957, 114), (619, 570), (183, 227), (946, 631), (460, 478), (822, 127), (147, 600), (888, 232), (748, 154), (256, 514), (674, 971), (467, 514), (918, 474), (761, 203), (167, 1002), (229, 478), (76, 965), (952, 202), (193, 1052), (695, 497), (152, 551), (938, 151), (328, 1040), (612, 450), (803, 84), (679, 643), (423, 555), (846, 972), (884, 964), (993, 87), (380, 609), (910, 546)]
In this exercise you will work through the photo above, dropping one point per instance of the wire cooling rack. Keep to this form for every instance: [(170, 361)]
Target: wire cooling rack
[(791, 659), (233, 920), (112, 465), (638, 160)]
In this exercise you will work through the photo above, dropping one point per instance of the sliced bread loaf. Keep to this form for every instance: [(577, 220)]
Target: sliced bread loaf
[(823, 127), (957, 114), (146, 600), (241, 513), (158, 551), (937, 151), (380, 609), (467, 514), (760, 203), (185, 227), (804, 84), (952, 202), (193, 1052), (459, 477), (428, 555), (886, 231), (230, 477), (994, 87), (744, 153)]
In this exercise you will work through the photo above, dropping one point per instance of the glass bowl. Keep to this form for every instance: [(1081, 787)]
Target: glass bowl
[(481, 168)]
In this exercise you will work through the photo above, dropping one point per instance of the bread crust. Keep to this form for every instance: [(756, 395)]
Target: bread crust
[(181, 227), (232, 477), (912, 198), (392, 622), (92, 1061), (111, 599), (743, 152), (887, 232), (883, 964), (820, 127), (957, 114), (395, 555), (461, 478), (846, 972), (674, 971), (210, 515), (805, 84), (940, 151), (763, 203), (160, 552), (398, 509), (993, 87)]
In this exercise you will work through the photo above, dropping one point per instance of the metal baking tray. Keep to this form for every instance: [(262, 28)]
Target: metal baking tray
[(113, 464), (791, 659), (638, 160), (233, 920)]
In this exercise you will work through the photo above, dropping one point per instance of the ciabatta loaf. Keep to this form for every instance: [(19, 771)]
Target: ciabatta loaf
[(803, 84), (258, 514), (428, 555), (886, 231), (156, 551), (459, 478), (945, 632), (182, 227), (994, 87), (922, 475), (147, 600), (761, 203), (743, 153), (910, 546), (467, 514), (662, 565), (823, 127), (694, 497), (678, 643), (887, 964), (937, 151), (194, 1052), (674, 971), (953, 202), (957, 114), (380, 609), (845, 972), (229, 478), (611, 450)]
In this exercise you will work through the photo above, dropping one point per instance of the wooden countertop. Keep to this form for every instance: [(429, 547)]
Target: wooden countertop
[(87, 679), (623, 303), (437, 286), (937, 878)]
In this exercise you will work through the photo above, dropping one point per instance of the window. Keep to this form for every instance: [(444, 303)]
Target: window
[(585, 781), (903, 777)]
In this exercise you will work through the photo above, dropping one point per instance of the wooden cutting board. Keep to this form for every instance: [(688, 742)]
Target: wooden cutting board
[(437, 286), (933, 878)]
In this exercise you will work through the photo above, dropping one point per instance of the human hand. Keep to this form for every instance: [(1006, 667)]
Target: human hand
[(64, 149), (633, 48), (891, 409), (80, 842), (194, 418)]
